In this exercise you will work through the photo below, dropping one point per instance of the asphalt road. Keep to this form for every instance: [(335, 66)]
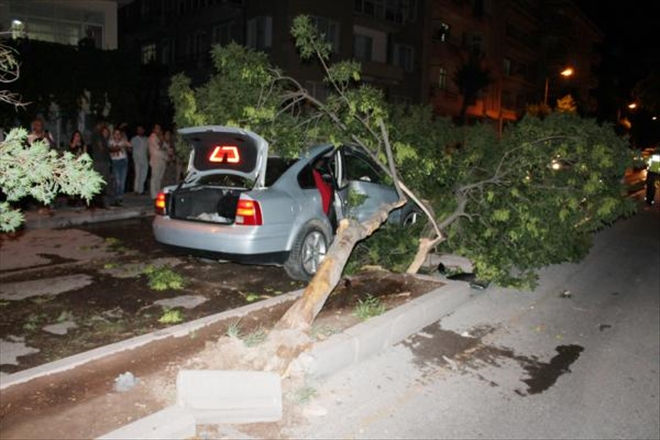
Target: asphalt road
[(576, 358)]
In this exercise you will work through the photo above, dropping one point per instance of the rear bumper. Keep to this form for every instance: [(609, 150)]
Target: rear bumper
[(241, 242)]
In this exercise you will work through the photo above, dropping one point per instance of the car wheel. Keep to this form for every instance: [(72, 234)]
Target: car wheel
[(307, 252), (412, 218)]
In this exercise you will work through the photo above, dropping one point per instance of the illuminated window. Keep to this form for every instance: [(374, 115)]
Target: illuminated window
[(442, 78)]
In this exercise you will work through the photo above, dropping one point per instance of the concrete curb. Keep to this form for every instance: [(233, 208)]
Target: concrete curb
[(80, 217), (369, 338), (354, 345), (138, 341)]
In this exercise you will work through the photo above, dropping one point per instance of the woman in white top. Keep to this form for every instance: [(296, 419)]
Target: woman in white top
[(117, 148)]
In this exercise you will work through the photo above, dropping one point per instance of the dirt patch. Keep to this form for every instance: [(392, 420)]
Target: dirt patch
[(68, 404)]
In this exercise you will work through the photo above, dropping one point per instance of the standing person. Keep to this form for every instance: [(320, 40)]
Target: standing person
[(158, 157), (652, 176), (101, 159), (38, 132), (169, 177), (76, 145), (140, 159), (118, 147)]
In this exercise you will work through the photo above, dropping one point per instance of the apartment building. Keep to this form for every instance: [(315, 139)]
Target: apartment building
[(411, 49), (61, 21)]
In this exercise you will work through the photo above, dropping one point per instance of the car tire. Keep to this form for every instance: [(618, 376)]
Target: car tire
[(412, 217), (308, 250)]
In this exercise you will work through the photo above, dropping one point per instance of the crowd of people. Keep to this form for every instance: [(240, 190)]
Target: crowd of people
[(119, 153)]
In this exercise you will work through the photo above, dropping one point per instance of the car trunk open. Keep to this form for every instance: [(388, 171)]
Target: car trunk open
[(205, 204)]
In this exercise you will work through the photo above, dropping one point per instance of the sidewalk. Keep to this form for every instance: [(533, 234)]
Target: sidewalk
[(135, 205)]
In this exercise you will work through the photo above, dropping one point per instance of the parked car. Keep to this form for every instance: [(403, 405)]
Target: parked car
[(239, 203)]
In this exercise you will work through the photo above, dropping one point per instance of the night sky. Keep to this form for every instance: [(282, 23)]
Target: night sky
[(631, 49)]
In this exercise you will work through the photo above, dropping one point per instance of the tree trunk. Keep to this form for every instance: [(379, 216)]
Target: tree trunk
[(425, 245), (302, 313)]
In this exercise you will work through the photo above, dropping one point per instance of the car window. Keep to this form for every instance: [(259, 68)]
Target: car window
[(275, 167), (324, 164), (359, 168), (226, 181)]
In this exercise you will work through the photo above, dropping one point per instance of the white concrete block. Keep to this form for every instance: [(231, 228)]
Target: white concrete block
[(218, 397)]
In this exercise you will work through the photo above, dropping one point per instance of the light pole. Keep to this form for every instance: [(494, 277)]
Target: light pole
[(565, 73)]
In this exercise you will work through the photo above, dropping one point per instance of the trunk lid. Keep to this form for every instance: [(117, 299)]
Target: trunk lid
[(220, 150)]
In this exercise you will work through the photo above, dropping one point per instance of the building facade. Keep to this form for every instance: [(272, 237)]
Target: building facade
[(410, 49), (62, 21)]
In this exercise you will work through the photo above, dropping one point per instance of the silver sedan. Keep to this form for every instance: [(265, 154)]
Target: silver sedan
[(237, 203)]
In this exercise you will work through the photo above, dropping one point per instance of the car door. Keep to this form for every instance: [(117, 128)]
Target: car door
[(363, 188)]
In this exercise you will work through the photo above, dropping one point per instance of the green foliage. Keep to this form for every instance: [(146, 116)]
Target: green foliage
[(391, 247), (163, 278), (520, 213), (234, 330), (42, 173), (498, 201), (368, 308), (255, 338), (171, 316)]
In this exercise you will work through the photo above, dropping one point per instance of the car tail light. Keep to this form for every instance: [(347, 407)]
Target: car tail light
[(160, 203), (248, 212)]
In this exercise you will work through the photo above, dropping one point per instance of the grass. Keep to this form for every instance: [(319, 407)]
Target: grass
[(164, 278), (33, 322), (234, 330), (115, 244), (304, 394), (368, 308), (171, 316), (320, 332), (255, 338), (250, 340)]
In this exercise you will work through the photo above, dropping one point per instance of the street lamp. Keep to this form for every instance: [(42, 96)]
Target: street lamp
[(565, 73)]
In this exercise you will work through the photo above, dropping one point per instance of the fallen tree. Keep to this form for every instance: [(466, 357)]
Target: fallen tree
[(498, 201)]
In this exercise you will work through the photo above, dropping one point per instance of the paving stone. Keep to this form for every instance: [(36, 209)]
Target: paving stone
[(185, 301), (51, 286), (61, 328), (10, 351)]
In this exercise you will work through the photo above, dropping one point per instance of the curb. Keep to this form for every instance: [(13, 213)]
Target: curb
[(367, 339), (81, 217), (341, 350)]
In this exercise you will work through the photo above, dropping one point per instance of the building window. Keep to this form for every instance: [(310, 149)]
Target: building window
[(442, 78), (403, 56), (329, 29), (395, 11), (224, 33), (260, 32), (167, 51), (474, 44), (195, 45), (148, 53), (440, 31), (363, 47)]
